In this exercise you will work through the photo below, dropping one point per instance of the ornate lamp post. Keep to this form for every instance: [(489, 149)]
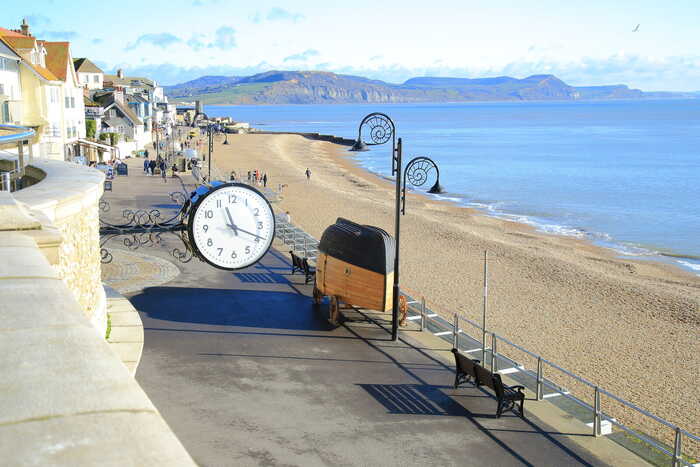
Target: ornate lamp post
[(381, 129)]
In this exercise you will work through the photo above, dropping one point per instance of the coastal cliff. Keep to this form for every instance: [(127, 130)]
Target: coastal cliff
[(315, 87)]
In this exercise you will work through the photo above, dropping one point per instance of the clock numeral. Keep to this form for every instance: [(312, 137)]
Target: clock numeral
[(234, 255), (260, 225), (247, 250), (205, 227), (209, 214), (231, 199), (256, 212), (246, 201), (221, 250), (210, 242), (218, 203)]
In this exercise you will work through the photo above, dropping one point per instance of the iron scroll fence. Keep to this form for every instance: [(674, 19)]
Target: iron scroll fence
[(540, 378)]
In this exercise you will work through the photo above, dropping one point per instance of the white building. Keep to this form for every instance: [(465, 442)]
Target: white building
[(89, 74), (52, 101), (10, 86)]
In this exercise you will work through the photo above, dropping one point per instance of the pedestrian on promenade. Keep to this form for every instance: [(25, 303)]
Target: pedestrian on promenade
[(151, 167), (264, 179), (249, 176), (145, 153), (308, 174), (145, 165), (163, 171)]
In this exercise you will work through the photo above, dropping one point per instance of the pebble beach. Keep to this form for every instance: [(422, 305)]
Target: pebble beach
[(631, 327)]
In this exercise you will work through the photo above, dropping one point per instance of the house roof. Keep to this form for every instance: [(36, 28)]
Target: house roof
[(57, 58), (11, 42), (20, 42), (84, 65), (10, 33), (128, 81), (108, 101), (116, 122), (90, 103)]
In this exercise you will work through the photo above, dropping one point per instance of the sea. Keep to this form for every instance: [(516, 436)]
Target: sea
[(624, 174)]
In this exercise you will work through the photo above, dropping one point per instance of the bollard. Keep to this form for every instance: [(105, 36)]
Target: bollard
[(422, 314), (539, 379), (494, 364), (596, 413)]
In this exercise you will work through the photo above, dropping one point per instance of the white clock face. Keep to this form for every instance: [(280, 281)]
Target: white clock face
[(232, 226)]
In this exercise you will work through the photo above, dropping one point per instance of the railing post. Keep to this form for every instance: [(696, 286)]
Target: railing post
[(596, 413), (422, 313), (539, 379), (455, 332), (677, 449), (494, 364)]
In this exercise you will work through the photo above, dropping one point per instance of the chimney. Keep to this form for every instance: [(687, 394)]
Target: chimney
[(119, 96), (120, 73), (25, 27)]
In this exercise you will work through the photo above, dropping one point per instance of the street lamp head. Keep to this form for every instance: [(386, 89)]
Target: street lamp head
[(359, 146), (437, 188)]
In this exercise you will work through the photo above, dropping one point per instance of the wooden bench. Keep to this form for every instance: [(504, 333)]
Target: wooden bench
[(507, 396), (465, 369), (302, 265)]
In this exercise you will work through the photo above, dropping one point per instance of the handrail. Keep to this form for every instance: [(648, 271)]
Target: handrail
[(21, 134)]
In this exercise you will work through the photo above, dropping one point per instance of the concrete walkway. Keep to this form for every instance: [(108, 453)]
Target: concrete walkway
[(247, 372)]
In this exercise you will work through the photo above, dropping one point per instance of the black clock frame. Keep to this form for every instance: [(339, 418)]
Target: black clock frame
[(193, 211)]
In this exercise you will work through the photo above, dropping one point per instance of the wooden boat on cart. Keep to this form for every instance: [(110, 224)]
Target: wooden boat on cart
[(355, 266)]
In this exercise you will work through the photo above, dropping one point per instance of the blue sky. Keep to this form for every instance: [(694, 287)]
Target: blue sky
[(583, 43)]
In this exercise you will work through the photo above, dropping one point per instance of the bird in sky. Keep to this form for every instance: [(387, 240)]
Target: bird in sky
[(636, 28)]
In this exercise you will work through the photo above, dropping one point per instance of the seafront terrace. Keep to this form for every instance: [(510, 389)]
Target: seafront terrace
[(243, 367), (239, 365)]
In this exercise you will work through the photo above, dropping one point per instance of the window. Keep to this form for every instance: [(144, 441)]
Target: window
[(96, 79), (72, 102), (5, 112), (3, 64), (53, 95), (2, 88), (67, 99)]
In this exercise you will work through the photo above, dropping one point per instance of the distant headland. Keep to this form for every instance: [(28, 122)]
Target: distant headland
[(319, 87)]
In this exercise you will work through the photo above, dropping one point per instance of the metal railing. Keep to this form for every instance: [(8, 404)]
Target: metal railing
[(12, 134), (298, 241), (537, 381)]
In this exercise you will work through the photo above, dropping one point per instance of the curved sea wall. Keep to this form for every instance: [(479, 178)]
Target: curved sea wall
[(67, 399), (67, 198)]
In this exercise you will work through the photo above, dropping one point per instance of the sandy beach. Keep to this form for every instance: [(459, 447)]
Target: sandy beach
[(631, 327)]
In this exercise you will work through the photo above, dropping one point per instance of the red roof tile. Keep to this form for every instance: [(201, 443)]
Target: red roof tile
[(57, 58)]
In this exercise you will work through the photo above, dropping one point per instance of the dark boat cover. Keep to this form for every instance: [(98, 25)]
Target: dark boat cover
[(364, 246)]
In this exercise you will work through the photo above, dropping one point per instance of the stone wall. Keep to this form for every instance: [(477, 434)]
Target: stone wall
[(66, 398), (67, 199)]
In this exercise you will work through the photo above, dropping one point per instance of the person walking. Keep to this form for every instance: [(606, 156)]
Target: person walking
[(145, 165), (163, 170), (151, 167), (308, 174), (264, 179)]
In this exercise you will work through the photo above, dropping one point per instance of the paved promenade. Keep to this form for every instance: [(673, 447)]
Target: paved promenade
[(247, 372)]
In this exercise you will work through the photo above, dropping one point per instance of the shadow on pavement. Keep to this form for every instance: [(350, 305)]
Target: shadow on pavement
[(245, 308)]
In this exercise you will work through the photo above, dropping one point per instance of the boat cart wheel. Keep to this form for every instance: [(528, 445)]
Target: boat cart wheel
[(403, 310), (318, 296), (334, 310)]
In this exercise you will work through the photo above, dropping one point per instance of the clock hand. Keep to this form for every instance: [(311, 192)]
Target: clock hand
[(232, 225), (251, 233)]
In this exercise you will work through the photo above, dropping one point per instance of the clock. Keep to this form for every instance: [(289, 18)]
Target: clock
[(231, 226)]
